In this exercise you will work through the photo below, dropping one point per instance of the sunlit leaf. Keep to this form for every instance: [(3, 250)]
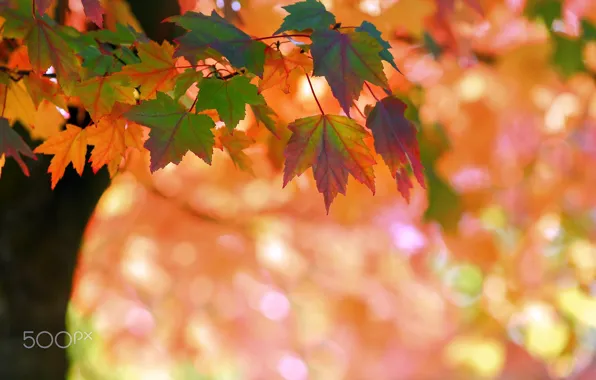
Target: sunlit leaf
[(334, 147)]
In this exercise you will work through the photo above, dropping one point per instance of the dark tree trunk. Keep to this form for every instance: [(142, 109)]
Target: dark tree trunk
[(40, 236)]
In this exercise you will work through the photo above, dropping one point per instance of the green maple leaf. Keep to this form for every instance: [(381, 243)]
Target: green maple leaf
[(334, 147), (304, 15), (395, 141), (228, 97), (214, 32), (346, 60), (48, 49), (17, 22), (174, 131), (185, 80), (98, 63), (12, 145), (372, 31), (265, 115), (121, 36)]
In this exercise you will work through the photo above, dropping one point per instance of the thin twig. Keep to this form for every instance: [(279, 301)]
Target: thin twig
[(315, 95)]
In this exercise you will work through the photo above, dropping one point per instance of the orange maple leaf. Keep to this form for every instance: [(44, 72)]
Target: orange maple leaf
[(68, 146), (235, 144), (99, 94), (110, 139), (157, 69), (278, 68)]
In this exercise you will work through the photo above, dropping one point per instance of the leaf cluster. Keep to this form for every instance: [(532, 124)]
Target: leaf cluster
[(128, 84)]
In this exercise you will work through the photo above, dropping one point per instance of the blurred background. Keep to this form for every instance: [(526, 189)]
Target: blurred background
[(202, 272)]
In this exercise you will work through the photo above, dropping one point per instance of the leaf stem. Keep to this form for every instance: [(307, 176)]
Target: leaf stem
[(358, 109), (315, 95), (371, 91), (194, 103), (280, 36), (4, 100)]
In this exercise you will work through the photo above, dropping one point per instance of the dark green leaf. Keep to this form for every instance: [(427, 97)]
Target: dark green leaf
[(265, 114), (304, 15), (385, 54), (228, 97), (174, 131), (346, 60), (214, 32)]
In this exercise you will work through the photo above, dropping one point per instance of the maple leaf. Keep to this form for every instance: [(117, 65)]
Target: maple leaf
[(185, 80), (265, 114), (121, 36), (304, 15), (99, 94), (94, 11), (334, 147), (48, 49), (346, 60), (395, 141), (12, 145), (174, 131), (235, 144), (228, 97), (110, 139), (372, 31), (47, 121), (15, 101), (41, 88), (42, 6), (157, 69), (17, 22), (68, 146), (216, 33), (278, 68)]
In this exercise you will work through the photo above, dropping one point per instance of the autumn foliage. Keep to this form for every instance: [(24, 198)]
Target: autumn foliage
[(127, 82), (222, 263)]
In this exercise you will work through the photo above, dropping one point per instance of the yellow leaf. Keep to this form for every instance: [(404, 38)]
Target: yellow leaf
[(17, 101), (67, 146), (48, 121)]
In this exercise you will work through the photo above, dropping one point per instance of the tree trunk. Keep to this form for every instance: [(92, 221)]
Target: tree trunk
[(40, 236)]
